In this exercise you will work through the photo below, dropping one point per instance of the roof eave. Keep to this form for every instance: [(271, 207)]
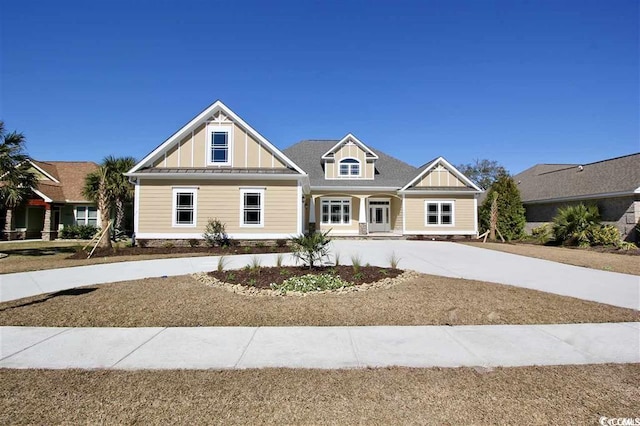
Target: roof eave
[(583, 197)]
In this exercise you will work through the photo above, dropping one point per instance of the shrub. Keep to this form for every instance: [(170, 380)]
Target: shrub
[(542, 234), (311, 247), (310, 282), (75, 232), (605, 235), (168, 245), (394, 260), (336, 259), (194, 242), (574, 225), (279, 259), (222, 263), (356, 262), (255, 264), (215, 235), (281, 243), (627, 245), (511, 218)]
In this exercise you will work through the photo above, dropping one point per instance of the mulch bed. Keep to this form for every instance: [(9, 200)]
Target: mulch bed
[(263, 277), (213, 251)]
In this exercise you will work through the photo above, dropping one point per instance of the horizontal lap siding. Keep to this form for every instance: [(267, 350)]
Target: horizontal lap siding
[(464, 214), (219, 200)]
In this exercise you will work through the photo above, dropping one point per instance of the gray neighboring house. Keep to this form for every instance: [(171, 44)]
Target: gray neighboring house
[(613, 185)]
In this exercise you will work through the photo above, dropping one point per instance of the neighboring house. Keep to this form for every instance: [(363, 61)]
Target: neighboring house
[(217, 166), (613, 185), (56, 201)]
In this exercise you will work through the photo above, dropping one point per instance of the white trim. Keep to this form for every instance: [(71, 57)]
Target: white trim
[(436, 192), (183, 190), (329, 199), (136, 207), (300, 210), (352, 138), (444, 231), (354, 188), (441, 160), (201, 118), (404, 214), (221, 176), (219, 128), (350, 165), (475, 214), (439, 203), (40, 194), (41, 170), (198, 236), (86, 218), (585, 197), (244, 191)]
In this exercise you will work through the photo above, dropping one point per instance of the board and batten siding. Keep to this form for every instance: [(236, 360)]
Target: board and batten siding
[(192, 151), (440, 177), (350, 150), (464, 215), (217, 199)]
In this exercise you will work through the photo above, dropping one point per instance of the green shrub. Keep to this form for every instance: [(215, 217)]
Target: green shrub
[(574, 225), (511, 217), (605, 235), (310, 282), (311, 247), (627, 245), (81, 232), (215, 235), (542, 234), (168, 245)]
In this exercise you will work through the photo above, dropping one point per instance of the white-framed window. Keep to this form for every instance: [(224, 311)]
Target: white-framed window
[(335, 211), (438, 213), (86, 215), (219, 145), (349, 167), (252, 207), (185, 207)]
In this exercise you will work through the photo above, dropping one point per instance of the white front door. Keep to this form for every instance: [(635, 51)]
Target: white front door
[(379, 213)]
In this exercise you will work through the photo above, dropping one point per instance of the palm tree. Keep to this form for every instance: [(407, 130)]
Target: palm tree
[(16, 175), (109, 188), (120, 189)]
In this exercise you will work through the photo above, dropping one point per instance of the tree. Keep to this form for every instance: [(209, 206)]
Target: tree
[(483, 172), (576, 224), (109, 189), (16, 175), (511, 218)]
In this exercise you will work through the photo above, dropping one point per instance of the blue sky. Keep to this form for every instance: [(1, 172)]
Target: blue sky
[(520, 82)]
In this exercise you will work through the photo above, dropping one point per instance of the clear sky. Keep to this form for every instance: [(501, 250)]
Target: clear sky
[(520, 82)]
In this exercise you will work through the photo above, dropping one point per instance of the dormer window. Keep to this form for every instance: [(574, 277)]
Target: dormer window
[(349, 167)]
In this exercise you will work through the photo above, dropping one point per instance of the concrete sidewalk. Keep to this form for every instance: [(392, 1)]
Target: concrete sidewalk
[(318, 347), (437, 258)]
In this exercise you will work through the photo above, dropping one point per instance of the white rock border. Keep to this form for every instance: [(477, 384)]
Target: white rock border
[(252, 291)]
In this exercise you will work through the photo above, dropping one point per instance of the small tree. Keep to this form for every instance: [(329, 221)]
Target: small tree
[(214, 234), (311, 247), (96, 188), (511, 217)]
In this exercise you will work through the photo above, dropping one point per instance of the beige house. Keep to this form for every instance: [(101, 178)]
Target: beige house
[(217, 166), (56, 201)]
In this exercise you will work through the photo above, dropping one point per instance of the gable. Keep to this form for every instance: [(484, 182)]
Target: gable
[(193, 145), (440, 174)]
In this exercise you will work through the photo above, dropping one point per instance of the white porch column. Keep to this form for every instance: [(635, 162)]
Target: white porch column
[(362, 217), (312, 209)]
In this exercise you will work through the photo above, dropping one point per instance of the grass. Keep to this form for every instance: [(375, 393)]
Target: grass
[(183, 301), (611, 262), (525, 395)]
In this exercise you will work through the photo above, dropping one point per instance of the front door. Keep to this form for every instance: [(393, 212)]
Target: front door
[(379, 216)]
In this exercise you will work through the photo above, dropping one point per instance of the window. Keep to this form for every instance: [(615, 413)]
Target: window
[(349, 167), (86, 215), (252, 207), (336, 212), (439, 213), (219, 143), (184, 206)]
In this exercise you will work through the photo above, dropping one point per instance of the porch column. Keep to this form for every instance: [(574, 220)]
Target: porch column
[(362, 217), (7, 223), (312, 213), (46, 227)]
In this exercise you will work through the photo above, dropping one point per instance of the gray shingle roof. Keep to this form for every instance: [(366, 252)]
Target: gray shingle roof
[(390, 172), (557, 181)]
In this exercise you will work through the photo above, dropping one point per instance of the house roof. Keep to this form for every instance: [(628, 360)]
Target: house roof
[(425, 168), (390, 172), (615, 176), (70, 176)]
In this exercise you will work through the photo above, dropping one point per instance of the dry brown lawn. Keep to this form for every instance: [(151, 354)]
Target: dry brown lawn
[(525, 395), (183, 301), (625, 264)]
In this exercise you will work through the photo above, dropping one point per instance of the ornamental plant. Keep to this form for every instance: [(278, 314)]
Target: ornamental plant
[(311, 247), (311, 282)]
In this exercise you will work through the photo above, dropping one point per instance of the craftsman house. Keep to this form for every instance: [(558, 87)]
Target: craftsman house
[(56, 201), (613, 185), (217, 166)]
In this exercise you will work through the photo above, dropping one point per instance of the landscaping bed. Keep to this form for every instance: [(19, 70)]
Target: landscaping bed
[(196, 251), (262, 278)]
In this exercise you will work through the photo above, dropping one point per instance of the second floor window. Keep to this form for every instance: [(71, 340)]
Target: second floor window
[(220, 145), (349, 167)]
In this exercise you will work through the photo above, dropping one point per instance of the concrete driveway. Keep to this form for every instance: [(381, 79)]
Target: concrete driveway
[(437, 258)]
